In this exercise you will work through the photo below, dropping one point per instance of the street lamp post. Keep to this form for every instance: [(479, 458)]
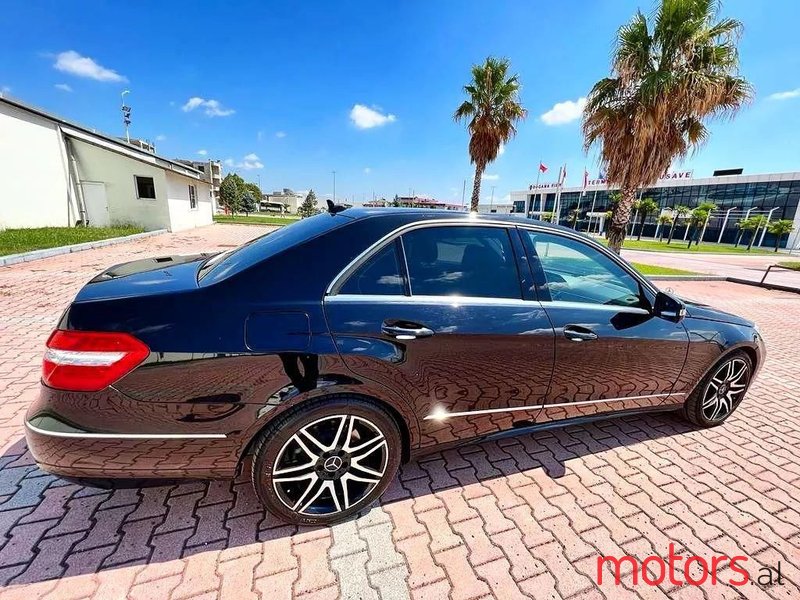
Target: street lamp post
[(126, 115), (724, 222), (764, 231)]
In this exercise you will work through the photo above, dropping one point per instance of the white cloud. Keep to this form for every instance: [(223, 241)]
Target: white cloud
[(785, 95), (5, 89), (564, 112), (487, 177), (202, 152), (367, 170), (63, 87), (280, 134), (82, 66), (248, 163), (365, 117), (160, 137), (211, 108)]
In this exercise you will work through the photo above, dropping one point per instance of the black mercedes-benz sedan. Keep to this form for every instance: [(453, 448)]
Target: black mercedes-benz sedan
[(330, 351)]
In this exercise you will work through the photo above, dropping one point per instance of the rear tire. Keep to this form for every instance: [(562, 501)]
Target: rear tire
[(326, 460), (720, 392)]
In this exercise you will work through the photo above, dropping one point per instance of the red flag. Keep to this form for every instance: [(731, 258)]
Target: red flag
[(542, 167)]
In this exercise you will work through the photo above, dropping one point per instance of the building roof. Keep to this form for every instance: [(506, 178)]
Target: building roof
[(106, 141)]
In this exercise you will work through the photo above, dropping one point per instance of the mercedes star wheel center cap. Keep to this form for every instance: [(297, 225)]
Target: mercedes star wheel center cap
[(332, 464)]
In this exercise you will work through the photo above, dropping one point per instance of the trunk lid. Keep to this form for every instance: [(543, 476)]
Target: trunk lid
[(144, 277)]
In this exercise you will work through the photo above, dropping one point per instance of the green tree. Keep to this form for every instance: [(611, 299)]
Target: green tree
[(492, 110), (229, 193), (743, 225), (759, 221), (679, 213), (669, 76), (256, 191), (647, 206), (249, 203), (700, 216), (664, 220), (309, 206), (780, 229)]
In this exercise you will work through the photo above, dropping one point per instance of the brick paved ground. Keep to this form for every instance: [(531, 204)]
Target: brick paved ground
[(527, 516)]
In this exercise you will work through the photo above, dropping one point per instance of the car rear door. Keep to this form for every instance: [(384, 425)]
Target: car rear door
[(440, 313), (611, 352)]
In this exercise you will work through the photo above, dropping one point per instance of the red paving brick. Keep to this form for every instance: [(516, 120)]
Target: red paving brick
[(523, 517)]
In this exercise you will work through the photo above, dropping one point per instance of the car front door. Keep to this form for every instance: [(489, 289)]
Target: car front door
[(612, 353), (439, 314)]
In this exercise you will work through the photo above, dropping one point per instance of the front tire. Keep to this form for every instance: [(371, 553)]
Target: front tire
[(720, 392), (326, 460)]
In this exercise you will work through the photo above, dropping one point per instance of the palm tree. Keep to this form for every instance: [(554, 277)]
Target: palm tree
[(492, 109), (679, 213), (647, 206), (700, 216), (664, 220), (668, 77), (635, 209), (743, 225), (779, 229)]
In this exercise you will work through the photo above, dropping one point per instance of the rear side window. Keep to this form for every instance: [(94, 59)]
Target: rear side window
[(380, 275), (461, 261)]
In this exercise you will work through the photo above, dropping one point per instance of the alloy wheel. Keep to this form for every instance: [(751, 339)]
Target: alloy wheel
[(330, 465), (725, 389)]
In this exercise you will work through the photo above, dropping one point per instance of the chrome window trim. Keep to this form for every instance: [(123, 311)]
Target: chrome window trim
[(441, 416), (126, 436)]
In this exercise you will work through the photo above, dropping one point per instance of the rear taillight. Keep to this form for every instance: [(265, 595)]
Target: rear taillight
[(88, 361)]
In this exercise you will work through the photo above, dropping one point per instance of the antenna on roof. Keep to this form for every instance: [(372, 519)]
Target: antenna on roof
[(334, 208)]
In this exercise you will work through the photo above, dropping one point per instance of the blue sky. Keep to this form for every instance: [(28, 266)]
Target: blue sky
[(290, 91)]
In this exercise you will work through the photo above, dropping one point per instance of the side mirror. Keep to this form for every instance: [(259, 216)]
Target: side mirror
[(669, 307)]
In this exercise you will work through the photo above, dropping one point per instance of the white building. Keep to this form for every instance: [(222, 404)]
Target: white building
[(285, 200), (57, 173), (212, 173)]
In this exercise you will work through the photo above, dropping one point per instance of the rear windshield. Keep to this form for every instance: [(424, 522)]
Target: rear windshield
[(224, 265)]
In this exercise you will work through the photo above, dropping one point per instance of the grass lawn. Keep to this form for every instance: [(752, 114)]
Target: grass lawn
[(791, 264), (656, 270), (14, 241), (680, 246), (256, 219)]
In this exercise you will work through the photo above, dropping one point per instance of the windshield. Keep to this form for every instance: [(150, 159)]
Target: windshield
[(228, 263)]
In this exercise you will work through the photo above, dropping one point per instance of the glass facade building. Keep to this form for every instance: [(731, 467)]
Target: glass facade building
[(758, 194)]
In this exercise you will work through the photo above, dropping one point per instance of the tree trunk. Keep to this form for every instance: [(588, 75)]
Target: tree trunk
[(777, 242), (641, 226), (620, 219), (672, 230), (738, 238), (476, 187)]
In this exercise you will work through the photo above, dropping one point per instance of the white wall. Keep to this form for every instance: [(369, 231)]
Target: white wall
[(181, 215), (117, 172), (33, 171)]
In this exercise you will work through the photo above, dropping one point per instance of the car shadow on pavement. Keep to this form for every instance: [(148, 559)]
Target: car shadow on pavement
[(52, 528)]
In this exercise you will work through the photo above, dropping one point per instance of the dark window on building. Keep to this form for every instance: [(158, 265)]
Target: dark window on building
[(461, 261), (145, 187), (192, 197), (380, 275)]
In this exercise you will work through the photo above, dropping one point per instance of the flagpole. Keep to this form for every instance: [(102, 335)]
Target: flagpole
[(536, 187), (591, 212)]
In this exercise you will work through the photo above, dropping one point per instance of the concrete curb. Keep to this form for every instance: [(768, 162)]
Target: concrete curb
[(13, 259), (686, 277)]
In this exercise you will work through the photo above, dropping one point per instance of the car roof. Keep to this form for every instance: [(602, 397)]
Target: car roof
[(425, 214)]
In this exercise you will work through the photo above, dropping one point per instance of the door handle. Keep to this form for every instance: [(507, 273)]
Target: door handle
[(407, 331), (576, 333)]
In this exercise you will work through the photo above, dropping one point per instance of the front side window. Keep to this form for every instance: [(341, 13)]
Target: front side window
[(192, 197), (379, 275), (461, 261), (571, 271), (145, 187)]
